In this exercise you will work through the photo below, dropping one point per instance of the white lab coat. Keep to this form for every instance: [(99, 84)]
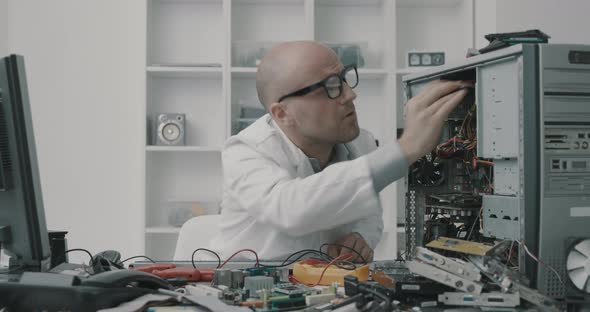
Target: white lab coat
[(275, 204)]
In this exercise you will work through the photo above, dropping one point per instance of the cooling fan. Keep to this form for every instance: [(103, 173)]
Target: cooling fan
[(578, 264), (429, 171)]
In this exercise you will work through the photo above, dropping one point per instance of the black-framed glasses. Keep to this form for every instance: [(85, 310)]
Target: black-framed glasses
[(332, 85)]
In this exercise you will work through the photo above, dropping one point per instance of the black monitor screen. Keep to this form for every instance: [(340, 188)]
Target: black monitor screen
[(23, 232)]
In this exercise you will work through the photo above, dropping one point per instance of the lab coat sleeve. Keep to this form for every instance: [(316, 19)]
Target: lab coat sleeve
[(340, 194), (370, 228), (387, 164)]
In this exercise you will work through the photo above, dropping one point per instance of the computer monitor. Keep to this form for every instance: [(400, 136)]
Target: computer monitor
[(23, 231)]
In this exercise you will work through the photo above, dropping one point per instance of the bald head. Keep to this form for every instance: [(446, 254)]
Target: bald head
[(290, 66)]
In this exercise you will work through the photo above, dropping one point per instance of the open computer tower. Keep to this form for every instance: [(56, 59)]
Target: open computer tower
[(513, 162)]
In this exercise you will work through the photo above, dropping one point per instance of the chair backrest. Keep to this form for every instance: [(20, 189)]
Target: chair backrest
[(196, 233)]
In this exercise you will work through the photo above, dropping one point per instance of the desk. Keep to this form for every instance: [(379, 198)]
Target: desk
[(251, 264), (56, 296)]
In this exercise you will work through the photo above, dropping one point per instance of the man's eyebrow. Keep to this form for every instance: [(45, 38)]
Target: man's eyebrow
[(334, 73), (338, 72)]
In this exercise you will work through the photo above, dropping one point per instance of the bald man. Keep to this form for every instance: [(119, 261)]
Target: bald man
[(305, 174)]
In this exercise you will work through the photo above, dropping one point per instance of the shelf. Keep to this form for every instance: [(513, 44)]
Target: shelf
[(163, 230), (190, 96), (367, 28), (427, 3), (246, 119), (244, 72), (410, 70), (268, 20), (269, 2), (349, 2), (176, 31), (372, 73), (191, 1), (155, 148), (184, 71)]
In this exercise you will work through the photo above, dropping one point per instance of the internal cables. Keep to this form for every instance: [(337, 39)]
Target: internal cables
[(136, 257), (91, 262), (455, 147), (364, 261), (239, 251), (322, 256), (208, 250), (343, 257)]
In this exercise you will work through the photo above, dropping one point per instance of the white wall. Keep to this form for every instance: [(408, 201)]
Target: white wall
[(485, 21), (3, 28), (85, 64), (565, 21)]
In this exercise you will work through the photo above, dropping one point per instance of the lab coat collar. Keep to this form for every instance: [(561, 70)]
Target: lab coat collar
[(302, 162), (339, 153), (295, 155)]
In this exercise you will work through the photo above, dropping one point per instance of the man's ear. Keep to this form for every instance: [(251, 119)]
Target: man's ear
[(279, 113)]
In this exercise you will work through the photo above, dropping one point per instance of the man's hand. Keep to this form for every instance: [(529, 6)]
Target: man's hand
[(355, 242), (425, 115)]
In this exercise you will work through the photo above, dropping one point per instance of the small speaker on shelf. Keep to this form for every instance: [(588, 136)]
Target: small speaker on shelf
[(169, 129)]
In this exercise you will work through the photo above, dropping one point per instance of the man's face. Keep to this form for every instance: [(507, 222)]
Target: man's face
[(319, 119)]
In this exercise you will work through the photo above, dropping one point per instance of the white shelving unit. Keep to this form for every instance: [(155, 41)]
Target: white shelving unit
[(163, 230), (153, 148), (184, 72), (201, 62)]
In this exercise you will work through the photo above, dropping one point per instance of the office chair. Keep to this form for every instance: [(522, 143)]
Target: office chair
[(196, 233)]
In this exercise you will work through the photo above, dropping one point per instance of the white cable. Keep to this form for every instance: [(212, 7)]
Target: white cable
[(474, 222), (510, 254), (541, 262)]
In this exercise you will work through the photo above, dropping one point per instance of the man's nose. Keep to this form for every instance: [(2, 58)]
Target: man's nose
[(347, 93)]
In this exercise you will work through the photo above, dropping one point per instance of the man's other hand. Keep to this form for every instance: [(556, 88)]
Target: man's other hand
[(425, 116), (346, 245)]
